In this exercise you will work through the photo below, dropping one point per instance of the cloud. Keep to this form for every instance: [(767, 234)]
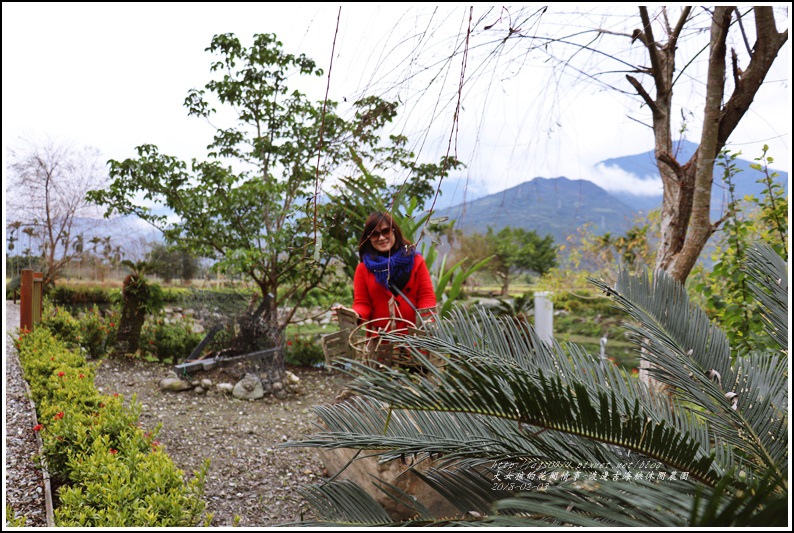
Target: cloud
[(614, 179)]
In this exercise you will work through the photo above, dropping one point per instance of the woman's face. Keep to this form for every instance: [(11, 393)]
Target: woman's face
[(382, 238)]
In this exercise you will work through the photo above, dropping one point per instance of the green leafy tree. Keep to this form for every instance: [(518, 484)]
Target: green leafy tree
[(260, 219), (725, 291), (586, 253), (515, 251), (168, 263), (593, 446)]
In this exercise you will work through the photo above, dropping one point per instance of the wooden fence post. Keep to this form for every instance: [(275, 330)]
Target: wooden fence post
[(30, 299)]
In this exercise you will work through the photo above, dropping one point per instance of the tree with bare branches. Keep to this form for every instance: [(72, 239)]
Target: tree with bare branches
[(47, 197), (686, 221)]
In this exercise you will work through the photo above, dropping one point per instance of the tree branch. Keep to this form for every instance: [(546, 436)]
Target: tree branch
[(644, 94)]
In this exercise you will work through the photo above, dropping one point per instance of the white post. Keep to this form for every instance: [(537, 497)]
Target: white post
[(544, 313)]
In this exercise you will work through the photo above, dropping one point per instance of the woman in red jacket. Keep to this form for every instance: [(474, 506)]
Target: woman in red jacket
[(392, 280)]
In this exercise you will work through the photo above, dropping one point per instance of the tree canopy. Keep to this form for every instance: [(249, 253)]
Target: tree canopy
[(258, 215), (514, 250)]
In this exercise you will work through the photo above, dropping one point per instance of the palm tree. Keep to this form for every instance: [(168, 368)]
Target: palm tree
[(509, 410)]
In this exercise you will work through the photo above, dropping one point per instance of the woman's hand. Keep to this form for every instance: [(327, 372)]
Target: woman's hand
[(336, 308)]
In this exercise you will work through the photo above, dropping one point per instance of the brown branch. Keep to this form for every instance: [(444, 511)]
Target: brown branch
[(767, 46), (744, 33), (680, 25), (639, 122), (737, 72), (674, 165), (644, 94), (653, 53)]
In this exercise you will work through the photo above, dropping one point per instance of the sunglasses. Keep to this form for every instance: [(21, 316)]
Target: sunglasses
[(375, 235)]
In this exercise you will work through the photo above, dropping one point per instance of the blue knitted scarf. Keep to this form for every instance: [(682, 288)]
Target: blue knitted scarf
[(395, 266)]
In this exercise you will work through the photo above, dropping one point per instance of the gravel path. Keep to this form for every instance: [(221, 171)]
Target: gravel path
[(24, 487)]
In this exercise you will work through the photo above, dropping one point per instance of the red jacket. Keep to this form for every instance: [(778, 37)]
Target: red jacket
[(371, 300)]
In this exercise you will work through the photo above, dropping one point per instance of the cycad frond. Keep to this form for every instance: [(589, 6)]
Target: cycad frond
[(769, 283), (343, 503), (686, 350), (535, 401), (641, 503)]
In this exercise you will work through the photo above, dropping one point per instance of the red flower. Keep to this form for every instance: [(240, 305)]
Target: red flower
[(61, 374), (114, 452), (52, 359), (151, 342), (81, 376), (155, 444), (38, 427), (635, 371), (289, 343), (101, 405), (116, 395), (112, 324), (59, 415)]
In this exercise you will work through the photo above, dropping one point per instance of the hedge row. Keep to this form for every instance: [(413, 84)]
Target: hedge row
[(111, 472), (87, 295)]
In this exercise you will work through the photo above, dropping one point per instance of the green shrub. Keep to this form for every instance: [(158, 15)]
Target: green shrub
[(11, 519), (172, 341), (97, 332), (173, 295), (129, 487), (303, 350), (81, 295), (62, 324), (93, 332)]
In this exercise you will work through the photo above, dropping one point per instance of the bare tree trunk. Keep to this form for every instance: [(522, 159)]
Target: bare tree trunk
[(686, 206)]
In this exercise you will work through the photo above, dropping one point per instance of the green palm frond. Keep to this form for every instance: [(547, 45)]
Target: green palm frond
[(770, 286), (686, 349), (394, 434), (343, 503), (468, 487), (601, 503), (641, 503), (507, 392)]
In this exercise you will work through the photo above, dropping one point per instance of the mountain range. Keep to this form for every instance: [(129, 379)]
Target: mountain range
[(558, 206)]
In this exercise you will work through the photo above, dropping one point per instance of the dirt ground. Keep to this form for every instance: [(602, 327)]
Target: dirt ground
[(251, 481)]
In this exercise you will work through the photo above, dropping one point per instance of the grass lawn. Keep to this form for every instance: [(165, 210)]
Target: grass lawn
[(622, 352)]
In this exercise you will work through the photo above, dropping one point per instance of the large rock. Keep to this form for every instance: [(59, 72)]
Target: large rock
[(249, 388), (174, 384), (225, 388)]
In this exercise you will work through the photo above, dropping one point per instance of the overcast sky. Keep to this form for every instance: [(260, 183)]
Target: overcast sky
[(114, 76)]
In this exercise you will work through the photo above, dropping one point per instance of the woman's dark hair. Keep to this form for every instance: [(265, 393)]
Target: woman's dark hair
[(373, 221)]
